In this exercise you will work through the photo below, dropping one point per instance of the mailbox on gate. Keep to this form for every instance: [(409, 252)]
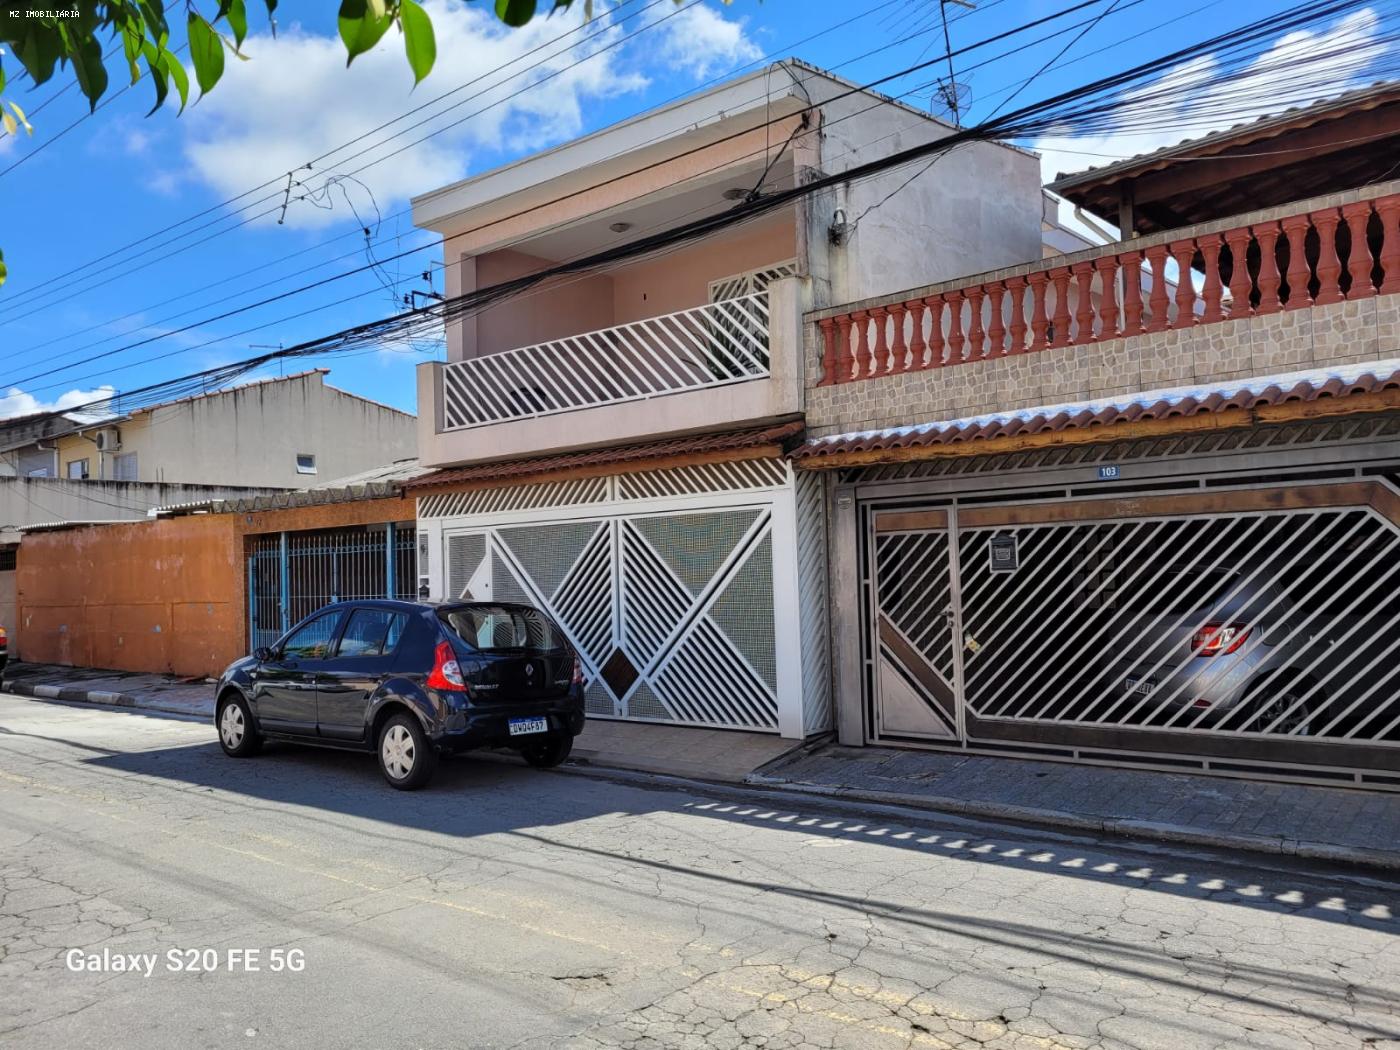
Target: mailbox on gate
[(1004, 554)]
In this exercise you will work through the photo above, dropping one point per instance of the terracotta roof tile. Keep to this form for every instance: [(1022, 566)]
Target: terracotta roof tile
[(625, 454), (1156, 404), (1366, 97)]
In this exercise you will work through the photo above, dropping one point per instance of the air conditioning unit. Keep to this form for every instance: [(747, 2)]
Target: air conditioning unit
[(109, 439)]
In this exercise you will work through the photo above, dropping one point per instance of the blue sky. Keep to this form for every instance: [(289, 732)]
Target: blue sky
[(121, 176)]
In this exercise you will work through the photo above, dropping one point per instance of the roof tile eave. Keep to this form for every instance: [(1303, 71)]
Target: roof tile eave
[(1248, 396), (641, 452)]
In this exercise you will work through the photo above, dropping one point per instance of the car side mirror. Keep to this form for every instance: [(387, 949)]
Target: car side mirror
[(263, 654)]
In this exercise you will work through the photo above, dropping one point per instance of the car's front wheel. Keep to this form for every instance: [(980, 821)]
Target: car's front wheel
[(549, 751), (237, 735), (406, 755)]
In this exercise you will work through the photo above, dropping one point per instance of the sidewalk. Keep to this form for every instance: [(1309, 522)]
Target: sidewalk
[(152, 692), (697, 754), (1324, 823)]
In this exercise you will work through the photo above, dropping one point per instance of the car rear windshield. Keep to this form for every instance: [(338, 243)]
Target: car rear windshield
[(1178, 591), (488, 627)]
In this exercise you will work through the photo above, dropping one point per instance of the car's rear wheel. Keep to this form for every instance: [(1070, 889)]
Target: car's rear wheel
[(406, 755), (1284, 713), (549, 751), (237, 735)]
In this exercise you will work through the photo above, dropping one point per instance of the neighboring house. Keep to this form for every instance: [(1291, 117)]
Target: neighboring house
[(1084, 516), (282, 433), (233, 573), (610, 446), (239, 443)]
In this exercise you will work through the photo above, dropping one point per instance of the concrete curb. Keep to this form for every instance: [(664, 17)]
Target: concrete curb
[(1278, 845), (103, 697)]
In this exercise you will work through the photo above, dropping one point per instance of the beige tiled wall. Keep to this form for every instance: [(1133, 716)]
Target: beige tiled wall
[(1365, 330)]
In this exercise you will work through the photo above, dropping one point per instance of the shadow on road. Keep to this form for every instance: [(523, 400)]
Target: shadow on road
[(475, 797)]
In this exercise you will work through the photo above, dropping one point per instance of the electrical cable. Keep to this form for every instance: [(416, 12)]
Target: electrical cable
[(126, 271), (1038, 114)]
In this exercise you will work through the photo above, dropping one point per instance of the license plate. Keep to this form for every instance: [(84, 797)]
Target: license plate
[(1141, 685), (521, 726)]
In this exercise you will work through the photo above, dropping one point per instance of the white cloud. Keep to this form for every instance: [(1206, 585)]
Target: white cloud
[(703, 42), (295, 99), (1288, 74), (16, 402)]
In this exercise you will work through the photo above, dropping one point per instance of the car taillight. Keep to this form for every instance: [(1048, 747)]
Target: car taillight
[(578, 672), (1216, 638), (3, 638), (446, 673)]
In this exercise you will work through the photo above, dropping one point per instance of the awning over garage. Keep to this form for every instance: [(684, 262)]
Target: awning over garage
[(1346, 389)]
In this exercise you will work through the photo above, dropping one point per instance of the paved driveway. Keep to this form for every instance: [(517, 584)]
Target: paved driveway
[(510, 908)]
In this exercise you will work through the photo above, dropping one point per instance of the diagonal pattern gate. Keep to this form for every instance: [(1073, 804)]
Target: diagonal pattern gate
[(672, 614), (1249, 629)]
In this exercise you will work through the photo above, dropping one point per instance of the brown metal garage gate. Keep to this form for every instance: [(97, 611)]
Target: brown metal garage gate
[(1237, 612)]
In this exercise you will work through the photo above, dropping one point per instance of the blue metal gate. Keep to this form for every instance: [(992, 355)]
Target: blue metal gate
[(292, 574)]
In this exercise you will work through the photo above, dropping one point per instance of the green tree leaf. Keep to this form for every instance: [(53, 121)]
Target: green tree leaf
[(3, 272), (88, 68), (207, 51), (418, 40), (172, 65), (159, 79), (359, 28), (515, 12), (237, 15), (39, 50)]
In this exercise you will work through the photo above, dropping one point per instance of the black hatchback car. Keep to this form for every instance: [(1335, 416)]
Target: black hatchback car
[(409, 680)]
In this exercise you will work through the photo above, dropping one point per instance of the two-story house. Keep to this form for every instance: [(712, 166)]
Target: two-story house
[(1084, 515), (610, 445)]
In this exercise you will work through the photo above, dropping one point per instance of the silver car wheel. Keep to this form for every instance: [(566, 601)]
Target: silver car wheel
[(397, 752), (1293, 723), (231, 726)]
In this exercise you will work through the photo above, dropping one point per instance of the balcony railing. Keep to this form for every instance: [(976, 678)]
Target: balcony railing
[(708, 346), (1312, 257)]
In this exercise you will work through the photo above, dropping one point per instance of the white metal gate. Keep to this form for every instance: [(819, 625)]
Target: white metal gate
[(1248, 629), (672, 614)]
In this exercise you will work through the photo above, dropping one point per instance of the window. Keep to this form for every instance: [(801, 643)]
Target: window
[(7, 559), (372, 632), (78, 470), (312, 641), (306, 463), (124, 467), (495, 627)]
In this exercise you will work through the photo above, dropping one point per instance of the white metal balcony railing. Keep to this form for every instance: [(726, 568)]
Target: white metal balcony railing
[(708, 346)]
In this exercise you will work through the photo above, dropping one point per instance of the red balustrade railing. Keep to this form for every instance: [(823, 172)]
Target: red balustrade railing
[(1314, 257)]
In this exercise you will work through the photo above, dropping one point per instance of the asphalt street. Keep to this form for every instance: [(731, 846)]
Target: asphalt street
[(506, 907)]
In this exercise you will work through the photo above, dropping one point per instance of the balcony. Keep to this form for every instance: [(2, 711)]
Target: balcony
[(1296, 286), (727, 363)]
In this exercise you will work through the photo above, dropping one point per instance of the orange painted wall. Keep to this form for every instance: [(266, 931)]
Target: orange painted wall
[(165, 596), (149, 596)]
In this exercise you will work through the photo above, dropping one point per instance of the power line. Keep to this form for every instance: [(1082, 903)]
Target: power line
[(279, 178), (1098, 97), (303, 288), (166, 254), (317, 284)]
